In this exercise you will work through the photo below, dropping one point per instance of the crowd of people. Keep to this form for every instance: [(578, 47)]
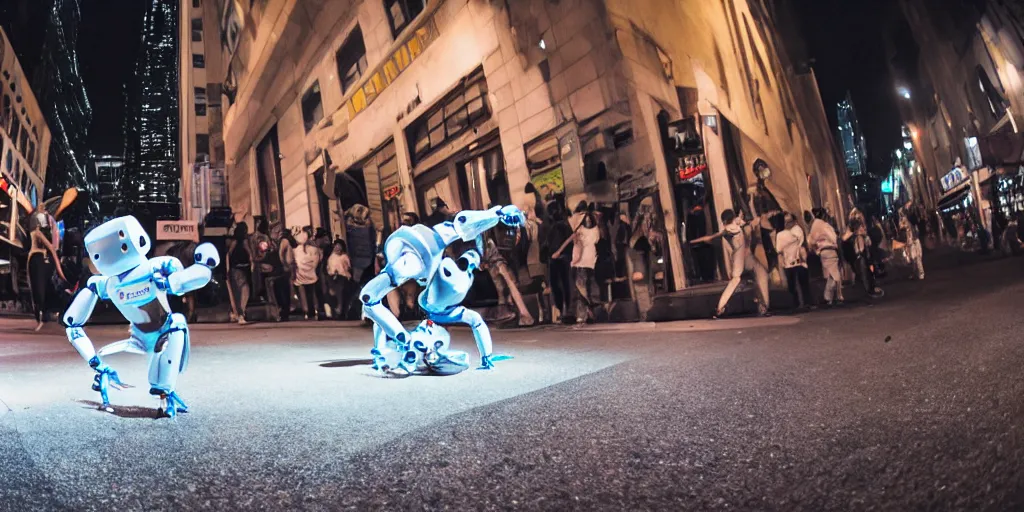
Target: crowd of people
[(858, 254), (559, 267), (567, 261)]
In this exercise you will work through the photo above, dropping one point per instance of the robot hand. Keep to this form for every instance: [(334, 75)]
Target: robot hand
[(105, 376), (511, 216), (161, 274)]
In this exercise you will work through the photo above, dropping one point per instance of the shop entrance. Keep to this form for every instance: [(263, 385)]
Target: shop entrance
[(693, 196)]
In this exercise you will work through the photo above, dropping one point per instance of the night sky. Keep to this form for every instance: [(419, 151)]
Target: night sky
[(108, 43), (845, 39)]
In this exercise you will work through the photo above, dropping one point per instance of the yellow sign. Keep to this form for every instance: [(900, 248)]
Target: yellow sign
[(389, 70), (549, 183)]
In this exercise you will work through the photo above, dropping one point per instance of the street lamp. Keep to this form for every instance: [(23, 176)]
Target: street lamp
[(904, 92)]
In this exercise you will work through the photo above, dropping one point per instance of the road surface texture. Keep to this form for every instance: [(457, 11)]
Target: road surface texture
[(914, 402)]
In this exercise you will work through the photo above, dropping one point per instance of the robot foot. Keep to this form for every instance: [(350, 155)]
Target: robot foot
[(487, 362), (171, 404)]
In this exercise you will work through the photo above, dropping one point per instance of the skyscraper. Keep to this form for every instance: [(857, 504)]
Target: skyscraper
[(107, 169), (48, 32), (151, 177), (851, 139)]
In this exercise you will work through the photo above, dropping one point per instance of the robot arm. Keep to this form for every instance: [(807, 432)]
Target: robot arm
[(469, 224), (179, 281), (74, 318), (78, 314)]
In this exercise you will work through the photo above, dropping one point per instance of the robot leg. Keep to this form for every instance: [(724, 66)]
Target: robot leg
[(170, 357)]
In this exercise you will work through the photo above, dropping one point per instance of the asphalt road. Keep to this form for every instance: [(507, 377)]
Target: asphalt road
[(914, 402)]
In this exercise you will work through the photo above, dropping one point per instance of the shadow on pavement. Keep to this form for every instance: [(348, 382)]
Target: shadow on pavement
[(126, 411), (345, 363)]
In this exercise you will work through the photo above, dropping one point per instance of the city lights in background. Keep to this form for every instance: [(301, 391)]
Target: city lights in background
[(903, 92)]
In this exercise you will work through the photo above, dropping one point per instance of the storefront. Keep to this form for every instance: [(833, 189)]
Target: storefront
[(1008, 192), (694, 200)]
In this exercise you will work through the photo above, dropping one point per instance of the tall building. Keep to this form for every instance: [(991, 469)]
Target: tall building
[(151, 172), (108, 170), (851, 139), (392, 104), (203, 184), (48, 31)]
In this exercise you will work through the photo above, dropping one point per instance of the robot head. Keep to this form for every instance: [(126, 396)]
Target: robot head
[(118, 245), (428, 336)]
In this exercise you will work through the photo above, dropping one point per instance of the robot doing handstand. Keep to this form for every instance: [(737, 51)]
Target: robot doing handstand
[(417, 253), (138, 287)]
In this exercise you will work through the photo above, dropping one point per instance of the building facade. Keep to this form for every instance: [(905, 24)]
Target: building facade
[(201, 58), (24, 153), (151, 180), (393, 103), (963, 62), (855, 154)]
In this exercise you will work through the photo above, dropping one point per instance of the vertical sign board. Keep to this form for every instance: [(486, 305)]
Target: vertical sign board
[(177, 230)]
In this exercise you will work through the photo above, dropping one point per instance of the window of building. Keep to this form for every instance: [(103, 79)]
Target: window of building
[(312, 107), (32, 155), (995, 101), (6, 212), (15, 128), (198, 60), (197, 29), (459, 110), (5, 114), (23, 143), (200, 93), (202, 146), (197, 4), (351, 59), (402, 12)]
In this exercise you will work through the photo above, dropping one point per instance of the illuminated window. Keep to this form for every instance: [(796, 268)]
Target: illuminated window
[(312, 107), (402, 12), (351, 59), (198, 60)]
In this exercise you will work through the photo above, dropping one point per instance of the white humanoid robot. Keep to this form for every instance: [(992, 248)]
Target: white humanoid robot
[(138, 287), (417, 253), (428, 353)]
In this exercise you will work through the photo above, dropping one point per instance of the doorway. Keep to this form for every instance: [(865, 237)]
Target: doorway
[(268, 177)]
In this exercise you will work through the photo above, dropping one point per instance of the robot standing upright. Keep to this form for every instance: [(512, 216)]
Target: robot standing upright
[(138, 287), (417, 253)]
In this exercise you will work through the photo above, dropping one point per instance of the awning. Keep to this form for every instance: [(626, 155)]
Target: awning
[(955, 195)]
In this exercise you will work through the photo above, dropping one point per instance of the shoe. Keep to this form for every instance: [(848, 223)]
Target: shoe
[(718, 314), (241, 321)]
